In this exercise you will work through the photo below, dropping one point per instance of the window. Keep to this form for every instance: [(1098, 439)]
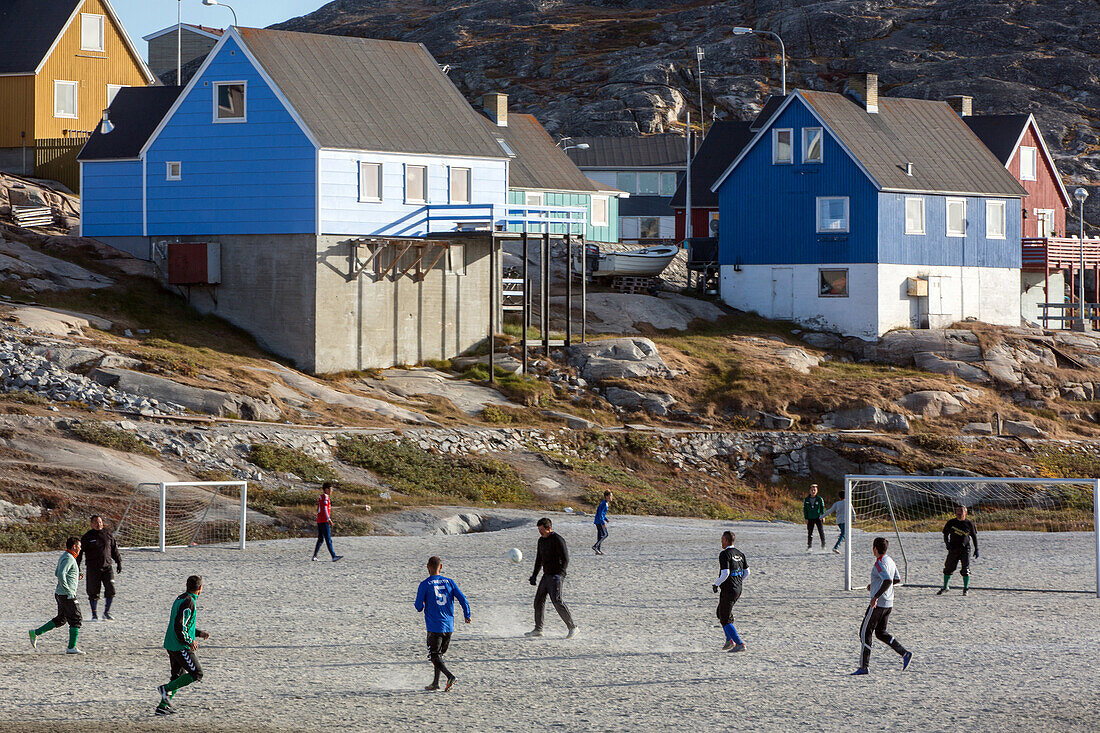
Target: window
[(668, 184), (460, 185), (811, 145), (994, 219), (627, 181), (91, 33), (649, 184), (956, 217), (649, 227), (781, 146), (1028, 159), (832, 284), (370, 181), (416, 184), (229, 101), (64, 99), (456, 259), (174, 170), (599, 211), (914, 215), (832, 214), (506, 148), (112, 92), (532, 198), (1044, 222)]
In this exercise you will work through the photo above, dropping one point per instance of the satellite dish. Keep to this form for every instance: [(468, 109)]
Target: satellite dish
[(713, 226)]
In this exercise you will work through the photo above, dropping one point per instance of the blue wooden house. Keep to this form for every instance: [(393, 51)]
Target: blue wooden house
[(334, 196), (859, 214)]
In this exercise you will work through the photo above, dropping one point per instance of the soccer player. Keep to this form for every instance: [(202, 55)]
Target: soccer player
[(839, 508), (601, 522), (553, 558), (179, 641), (436, 598), (733, 568), (884, 575), (68, 575), (813, 508), (99, 547), (957, 534), (324, 522)]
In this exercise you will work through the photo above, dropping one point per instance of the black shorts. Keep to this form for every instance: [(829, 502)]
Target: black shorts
[(725, 604), (67, 612), (185, 662), (954, 558), (438, 643)]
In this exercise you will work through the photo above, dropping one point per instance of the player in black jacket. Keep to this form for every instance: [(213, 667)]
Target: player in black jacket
[(553, 558), (733, 568), (98, 547), (957, 534)]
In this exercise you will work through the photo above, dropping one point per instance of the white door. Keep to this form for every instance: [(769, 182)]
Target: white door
[(783, 293), (939, 311)]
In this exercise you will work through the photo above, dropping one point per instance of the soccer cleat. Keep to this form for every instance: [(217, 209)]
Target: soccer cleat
[(450, 684), (965, 591), (858, 672), (595, 549), (737, 648), (163, 690), (572, 632), (34, 639), (73, 650), (534, 632), (836, 551), (941, 591), (337, 557), (905, 660), (314, 559), (107, 617), (431, 687), (728, 646), (164, 709)]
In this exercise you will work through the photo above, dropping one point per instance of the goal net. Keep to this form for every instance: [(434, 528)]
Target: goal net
[(184, 513), (1033, 534)]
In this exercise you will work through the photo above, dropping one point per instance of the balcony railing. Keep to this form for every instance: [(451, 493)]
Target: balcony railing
[(444, 218), (1059, 253)]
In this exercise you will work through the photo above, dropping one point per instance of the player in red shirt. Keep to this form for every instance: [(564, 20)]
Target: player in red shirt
[(324, 521)]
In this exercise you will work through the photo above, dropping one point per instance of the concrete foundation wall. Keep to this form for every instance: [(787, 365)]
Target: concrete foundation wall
[(17, 160), (988, 294), (1031, 295)]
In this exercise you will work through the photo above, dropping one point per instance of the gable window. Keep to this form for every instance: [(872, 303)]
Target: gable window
[(914, 215), (230, 101), (811, 145), (781, 146), (994, 219), (460, 185), (1028, 161), (416, 184), (956, 217), (92, 32), (64, 99), (456, 259), (832, 214), (370, 182), (599, 211), (112, 92), (174, 170), (832, 284)]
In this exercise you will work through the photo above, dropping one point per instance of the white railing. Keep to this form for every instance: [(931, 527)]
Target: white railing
[(506, 217)]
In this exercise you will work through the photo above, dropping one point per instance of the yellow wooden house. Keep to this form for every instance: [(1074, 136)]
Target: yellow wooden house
[(61, 63)]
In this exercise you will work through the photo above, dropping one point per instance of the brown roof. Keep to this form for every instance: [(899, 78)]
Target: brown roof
[(667, 150), (539, 163), (366, 94)]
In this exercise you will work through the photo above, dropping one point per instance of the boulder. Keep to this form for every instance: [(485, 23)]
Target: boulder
[(902, 347), (769, 421), (68, 358), (823, 340), (866, 417), (571, 421), (798, 360), (978, 428), (623, 358), (828, 463), (931, 403), (205, 401), (1022, 428), (1076, 392), (1003, 371), (655, 403), (938, 365)]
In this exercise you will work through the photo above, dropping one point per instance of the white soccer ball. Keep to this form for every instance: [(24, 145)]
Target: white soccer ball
[(515, 555)]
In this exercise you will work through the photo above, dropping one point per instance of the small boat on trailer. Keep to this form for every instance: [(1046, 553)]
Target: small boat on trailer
[(646, 262)]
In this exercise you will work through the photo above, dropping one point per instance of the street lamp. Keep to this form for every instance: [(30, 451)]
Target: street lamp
[(741, 30), (211, 3), (577, 146), (1081, 194), (702, 115)]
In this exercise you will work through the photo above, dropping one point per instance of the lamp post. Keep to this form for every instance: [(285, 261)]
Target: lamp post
[(741, 30), (211, 3), (1082, 325), (179, 41), (702, 115), (577, 146)]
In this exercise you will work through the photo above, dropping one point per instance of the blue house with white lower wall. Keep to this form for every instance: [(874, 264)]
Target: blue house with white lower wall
[(342, 189), (859, 214)]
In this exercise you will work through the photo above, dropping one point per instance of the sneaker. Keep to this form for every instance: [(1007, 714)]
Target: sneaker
[(164, 709), (534, 632), (163, 690), (941, 591), (965, 590), (34, 639), (337, 557), (431, 687), (107, 616), (809, 550), (450, 684), (313, 559), (836, 551), (738, 648), (905, 660), (572, 632), (728, 646), (860, 671), (73, 650), (94, 617), (595, 549)]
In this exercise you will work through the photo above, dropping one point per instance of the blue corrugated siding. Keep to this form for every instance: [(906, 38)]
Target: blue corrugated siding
[(767, 213), (254, 177), (110, 201), (934, 247), (609, 233)]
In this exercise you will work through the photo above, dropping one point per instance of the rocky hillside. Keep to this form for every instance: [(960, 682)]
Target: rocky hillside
[(553, 56)]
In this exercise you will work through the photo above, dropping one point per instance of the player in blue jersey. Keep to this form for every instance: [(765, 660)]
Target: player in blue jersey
[(601, 522), (435, 597)]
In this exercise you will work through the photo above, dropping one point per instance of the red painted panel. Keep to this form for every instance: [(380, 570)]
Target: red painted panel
[(187, 263), (1043, 192), (700, 220)]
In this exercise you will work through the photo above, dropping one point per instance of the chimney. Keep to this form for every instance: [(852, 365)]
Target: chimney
[(962, 104), (496, 104), (864, 89)]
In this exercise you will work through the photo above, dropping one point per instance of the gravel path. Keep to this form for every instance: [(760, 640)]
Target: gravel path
[(310, 646)]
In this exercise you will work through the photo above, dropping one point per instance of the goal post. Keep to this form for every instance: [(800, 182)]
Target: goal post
[(185, 513), (1035, 534)]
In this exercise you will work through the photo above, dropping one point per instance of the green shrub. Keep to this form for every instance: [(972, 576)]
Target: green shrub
[(641, 443), (97, 433), (280, 459), (267, 500), (495, 415), (939, 444), (39, 536)]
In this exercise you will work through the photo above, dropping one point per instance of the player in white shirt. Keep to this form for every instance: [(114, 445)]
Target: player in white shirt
[(884, 575)]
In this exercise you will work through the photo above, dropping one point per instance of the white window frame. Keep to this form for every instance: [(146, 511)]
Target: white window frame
[(75, 85), (168, 168), (847, 283), (230, 120), (947, 217), (1032, 154), (905, 215), (84, 17), (117, 88), (991, 206), (456, 259), (775, 146), (601, 221), (506, 147), (806, 132), (411, 199), (847, 214), (468, 172), (534, 198), (363, 166), (1040, 214)]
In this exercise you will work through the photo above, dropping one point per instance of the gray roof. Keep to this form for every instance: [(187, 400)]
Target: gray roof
[(539, 162), (28, 29), (724, 140), (667, 150), (947, 156), (366, 94), (135, 113)]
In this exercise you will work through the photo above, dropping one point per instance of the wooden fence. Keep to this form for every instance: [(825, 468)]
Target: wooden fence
[(55, 159)]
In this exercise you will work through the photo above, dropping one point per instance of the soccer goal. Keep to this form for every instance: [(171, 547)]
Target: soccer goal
[(183, 514), (1033, 534)]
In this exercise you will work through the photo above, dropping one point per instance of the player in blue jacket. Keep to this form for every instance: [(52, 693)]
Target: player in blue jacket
[(435, 597), (601, 522)]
